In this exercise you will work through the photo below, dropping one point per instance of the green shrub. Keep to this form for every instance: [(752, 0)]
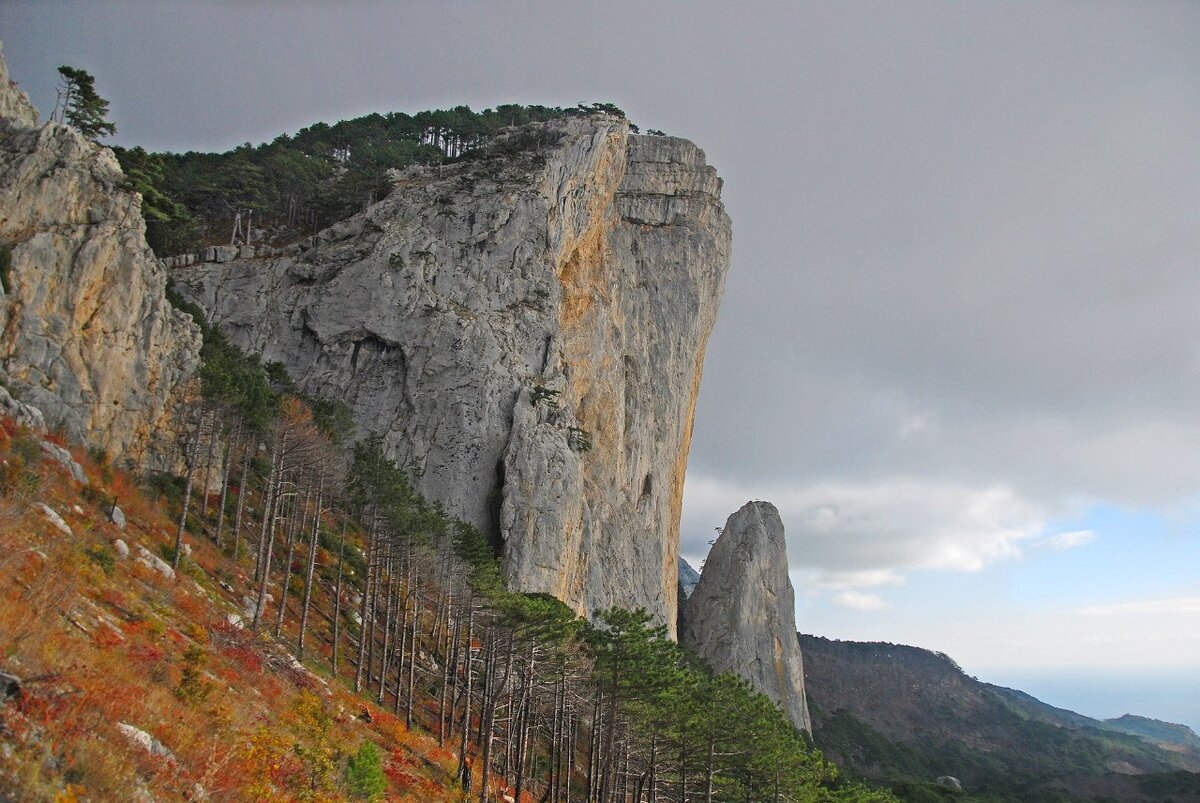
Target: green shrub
[(364, 773), (193, 688), (103, 555)]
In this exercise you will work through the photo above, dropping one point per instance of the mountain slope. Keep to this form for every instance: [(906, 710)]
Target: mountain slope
[(895, 713)]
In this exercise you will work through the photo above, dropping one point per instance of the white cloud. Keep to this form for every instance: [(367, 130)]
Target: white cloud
[(1166, 607), (882, 525), (839, 581), (845, 537), (1061, 542), (858, 601)]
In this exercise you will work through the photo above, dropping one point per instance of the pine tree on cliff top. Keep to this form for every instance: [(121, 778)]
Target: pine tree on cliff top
[(80, 106)]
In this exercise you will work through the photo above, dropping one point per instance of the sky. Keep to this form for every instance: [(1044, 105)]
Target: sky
[(960, 341)]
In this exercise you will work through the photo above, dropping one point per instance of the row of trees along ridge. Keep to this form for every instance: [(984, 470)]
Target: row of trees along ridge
[(296, 185)]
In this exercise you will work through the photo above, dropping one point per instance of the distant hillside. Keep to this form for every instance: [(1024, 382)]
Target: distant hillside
[(905, 716), (1165, 734)]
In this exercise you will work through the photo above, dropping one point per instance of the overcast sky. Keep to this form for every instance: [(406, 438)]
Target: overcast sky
[(960, 343)]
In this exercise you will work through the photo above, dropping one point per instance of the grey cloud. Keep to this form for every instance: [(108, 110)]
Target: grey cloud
[(965, 234)]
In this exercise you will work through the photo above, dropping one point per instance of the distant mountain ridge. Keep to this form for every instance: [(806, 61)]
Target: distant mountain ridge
[(905, 716), (1168, 735)]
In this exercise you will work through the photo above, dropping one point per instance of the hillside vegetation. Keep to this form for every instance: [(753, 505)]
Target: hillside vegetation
[(289, 620)]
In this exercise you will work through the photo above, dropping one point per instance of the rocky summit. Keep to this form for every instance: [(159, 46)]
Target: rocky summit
[(741, 616), (525, 330), (86, 333)]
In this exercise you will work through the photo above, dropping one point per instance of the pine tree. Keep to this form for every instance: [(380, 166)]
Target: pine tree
[(80, 106), (364, 773)]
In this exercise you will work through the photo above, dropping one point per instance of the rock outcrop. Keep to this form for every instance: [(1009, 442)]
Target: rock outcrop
[(86, 333), (741, 616), (526, 332)]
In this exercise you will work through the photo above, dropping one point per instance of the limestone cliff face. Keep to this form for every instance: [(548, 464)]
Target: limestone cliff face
[(86, 333), (527, 334), (741, 616)]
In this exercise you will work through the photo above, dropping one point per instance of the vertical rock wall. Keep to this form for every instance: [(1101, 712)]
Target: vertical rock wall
[(526, 331), (86, 333)]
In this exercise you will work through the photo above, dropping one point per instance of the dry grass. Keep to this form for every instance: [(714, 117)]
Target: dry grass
[(99, 641)]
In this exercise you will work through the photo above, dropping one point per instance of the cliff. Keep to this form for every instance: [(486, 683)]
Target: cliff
[(526, 331), (86, 333), (741, 615)]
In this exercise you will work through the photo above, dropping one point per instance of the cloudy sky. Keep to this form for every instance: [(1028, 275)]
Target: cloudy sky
[(960, 343)]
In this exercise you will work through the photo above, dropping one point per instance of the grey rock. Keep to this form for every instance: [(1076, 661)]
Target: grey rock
[(492, 319), (741, 617), (52, 515), (152, 561), (117, 517), (14, 104), (61, 456), (949, 781), (246, 252), (87, 334), (145, 741), (121, 548), (225, 253), (24, 414), (250, 606)]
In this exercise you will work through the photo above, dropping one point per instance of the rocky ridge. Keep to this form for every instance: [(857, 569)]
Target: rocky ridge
[(86, 333), (526, 331), (741, 615)]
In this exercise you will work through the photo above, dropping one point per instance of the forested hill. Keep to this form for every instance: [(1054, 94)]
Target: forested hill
[(298, 184), (905, 716)]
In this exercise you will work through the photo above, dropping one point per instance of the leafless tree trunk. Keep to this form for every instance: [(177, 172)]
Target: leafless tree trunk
[(337, 602), (191, 452), (313, 545)]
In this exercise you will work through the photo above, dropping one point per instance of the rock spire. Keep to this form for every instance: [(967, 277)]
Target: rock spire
[(741, 616)]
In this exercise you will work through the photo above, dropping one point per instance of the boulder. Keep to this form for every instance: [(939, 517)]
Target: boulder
[(61, 456), (152, 561), (52, 515), (145, 741)]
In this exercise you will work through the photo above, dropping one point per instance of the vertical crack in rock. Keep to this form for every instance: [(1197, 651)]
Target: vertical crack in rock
[(741, 615), (552, 308)]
